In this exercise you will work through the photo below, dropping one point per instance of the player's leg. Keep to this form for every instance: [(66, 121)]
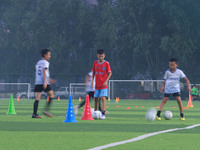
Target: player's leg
[(38, 90), (103, 99), (76, 108), (96, 99), (164, 101), (96, 103), (103, 95), (48, 104), (180, 105)]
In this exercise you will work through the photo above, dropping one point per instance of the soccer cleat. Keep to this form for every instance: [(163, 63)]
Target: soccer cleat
[(76, 110), (36, 116), (46, 113), (182, 119), (158, 118), (103, 117)]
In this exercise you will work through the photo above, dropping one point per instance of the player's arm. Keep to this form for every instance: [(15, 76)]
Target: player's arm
[(52, 81), (93, 75), (45, 78), (87, 77), (163, 87), (188, 84), (108, 77)]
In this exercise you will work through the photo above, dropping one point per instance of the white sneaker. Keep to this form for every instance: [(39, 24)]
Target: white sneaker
[(76, 110), (103, 117)]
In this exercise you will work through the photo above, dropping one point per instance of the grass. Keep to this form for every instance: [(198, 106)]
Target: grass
[(22, 132)]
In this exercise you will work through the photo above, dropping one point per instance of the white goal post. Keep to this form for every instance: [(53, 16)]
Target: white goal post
[(77, 90), (6, 89)]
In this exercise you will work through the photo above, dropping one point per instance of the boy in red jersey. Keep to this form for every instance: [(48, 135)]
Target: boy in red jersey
[(102, 73)]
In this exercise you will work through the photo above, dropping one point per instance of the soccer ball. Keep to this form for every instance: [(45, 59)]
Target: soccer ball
[(168, 115), (97, 114), (151, 114)]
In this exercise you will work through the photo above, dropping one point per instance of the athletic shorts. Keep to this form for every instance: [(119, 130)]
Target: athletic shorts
[(101, 93), (173, 94), (39, 88), (91, 94)]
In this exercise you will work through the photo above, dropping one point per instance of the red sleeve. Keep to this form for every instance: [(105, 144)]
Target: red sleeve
[(108, 68)]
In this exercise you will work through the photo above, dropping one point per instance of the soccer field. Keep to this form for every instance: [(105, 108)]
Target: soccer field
[(24, 133)]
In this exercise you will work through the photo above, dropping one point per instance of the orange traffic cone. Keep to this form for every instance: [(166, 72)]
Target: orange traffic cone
[(79, 99), (48, 99), (109, 99), (87, 110), (58, 98), (18, 98), (116, 100), (190, 102)]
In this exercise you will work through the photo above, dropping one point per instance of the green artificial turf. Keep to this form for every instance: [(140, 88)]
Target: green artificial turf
[(24, 133)]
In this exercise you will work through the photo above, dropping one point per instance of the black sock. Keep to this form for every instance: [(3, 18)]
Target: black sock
[(182, 115), (100, 106), (48, 104), (103, 112), (35, 107), (158, 113), (83, 103)]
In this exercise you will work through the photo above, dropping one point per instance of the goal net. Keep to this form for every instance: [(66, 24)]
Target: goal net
[(77, 90), (16, 89), (135, 89)]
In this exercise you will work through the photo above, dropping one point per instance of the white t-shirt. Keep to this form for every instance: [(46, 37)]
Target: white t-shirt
[(88, 86), (172, 81), (40, 66)]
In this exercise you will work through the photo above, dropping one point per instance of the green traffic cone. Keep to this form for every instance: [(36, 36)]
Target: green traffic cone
[(11, 109)]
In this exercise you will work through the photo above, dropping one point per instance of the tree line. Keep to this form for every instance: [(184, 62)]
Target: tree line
[(139, 37)]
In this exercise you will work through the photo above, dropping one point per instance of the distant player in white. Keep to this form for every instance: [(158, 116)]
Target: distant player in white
[(89, 90), (171, 86), (42, 83)]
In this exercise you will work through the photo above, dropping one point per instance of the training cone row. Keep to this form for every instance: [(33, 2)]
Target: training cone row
[(70, 116), (11, 109), (190, 102), (87, 110)]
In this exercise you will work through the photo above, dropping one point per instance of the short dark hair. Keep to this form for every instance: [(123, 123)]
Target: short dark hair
[(100, 51), (173, 60), (44, 52)]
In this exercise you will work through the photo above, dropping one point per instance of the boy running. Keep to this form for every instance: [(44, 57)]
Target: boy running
[(171, 86), (101, 73), (42, 83)]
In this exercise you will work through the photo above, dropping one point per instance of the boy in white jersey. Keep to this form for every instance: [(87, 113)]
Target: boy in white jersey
[(171, 86), (89, 90), (42, 83)]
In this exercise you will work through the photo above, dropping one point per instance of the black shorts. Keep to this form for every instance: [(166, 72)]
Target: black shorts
[(173, 94), (194, 95), (91, 94), (39, 88)]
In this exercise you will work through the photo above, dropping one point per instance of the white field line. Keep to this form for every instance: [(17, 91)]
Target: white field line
[(141, 137)]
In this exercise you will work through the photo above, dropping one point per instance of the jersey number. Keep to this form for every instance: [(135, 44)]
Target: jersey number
[(39, 70)]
